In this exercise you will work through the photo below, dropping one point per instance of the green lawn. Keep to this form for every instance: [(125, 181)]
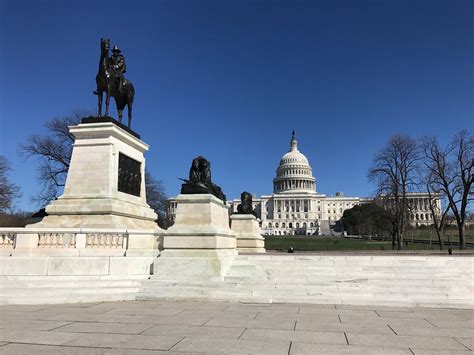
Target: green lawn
[(451, 234), (335, 243)]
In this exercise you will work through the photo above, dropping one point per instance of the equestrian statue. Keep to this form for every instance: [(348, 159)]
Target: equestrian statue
[(110, 80)]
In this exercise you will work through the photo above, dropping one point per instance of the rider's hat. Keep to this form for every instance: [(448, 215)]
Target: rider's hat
[(116, 49)]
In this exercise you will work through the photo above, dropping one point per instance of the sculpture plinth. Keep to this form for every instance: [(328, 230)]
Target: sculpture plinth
[(200, 242), (248, 233), (105, 186)]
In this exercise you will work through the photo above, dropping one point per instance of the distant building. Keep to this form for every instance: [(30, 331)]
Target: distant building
[(296, 208)]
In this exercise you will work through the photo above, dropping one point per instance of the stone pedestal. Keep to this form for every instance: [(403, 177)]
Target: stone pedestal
[(248, 233), (105, 185), (200, 243)]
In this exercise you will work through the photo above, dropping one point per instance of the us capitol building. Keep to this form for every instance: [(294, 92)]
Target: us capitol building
[(296, 208)]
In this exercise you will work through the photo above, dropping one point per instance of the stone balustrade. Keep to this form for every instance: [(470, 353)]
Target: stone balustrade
[(79, 242)]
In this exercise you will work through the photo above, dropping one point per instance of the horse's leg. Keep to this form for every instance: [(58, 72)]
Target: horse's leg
[(119, 114), (129, 105), (107, 101), (100, 97)]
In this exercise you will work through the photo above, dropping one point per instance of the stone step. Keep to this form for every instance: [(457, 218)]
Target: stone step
[(68, 284), (316, 291), (72, 277), (178, 278), (169, 283), (344, 279), (308, 289), (66, 298), (355, 273), (360, 299), (41, 292)]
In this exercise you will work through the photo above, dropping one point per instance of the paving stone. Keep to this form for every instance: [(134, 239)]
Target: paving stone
[(295, 335), (196, 306), (121, 341), (251, 323), (27, 349), (467, 332), (66, 309), (21, 308), (403, 341), (119, 318), (431, 316), (216, 346), (298, 348), (221, 314), (272, 307), (315, 305), (467, 342), (192, 331), (114, 328), (440, 352), (374, 308), (160, 311), (348, 312), (446, 323), (343, 327), (31, 324), (405, 315), (36, 336), (329, 318), (380, 320)]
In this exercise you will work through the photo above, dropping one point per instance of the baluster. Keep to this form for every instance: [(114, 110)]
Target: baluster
[(114, 241), (60, 240)]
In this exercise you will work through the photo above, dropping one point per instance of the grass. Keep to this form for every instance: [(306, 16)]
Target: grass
[(451, 234), (335, 244)]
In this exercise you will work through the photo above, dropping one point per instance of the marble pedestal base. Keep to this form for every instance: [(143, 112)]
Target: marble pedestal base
[(200, 243), (92, 196), (248, 233)]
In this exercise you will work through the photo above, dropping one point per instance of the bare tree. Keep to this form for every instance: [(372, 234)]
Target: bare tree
[(157, 199), (53, 151), (9, 191), (440, 214), (451, 173), (394, 170)]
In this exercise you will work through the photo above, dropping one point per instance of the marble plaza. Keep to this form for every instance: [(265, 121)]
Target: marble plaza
[(233, 328)]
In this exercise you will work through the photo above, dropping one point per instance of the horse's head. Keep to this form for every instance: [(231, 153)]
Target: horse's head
[(104, 45)]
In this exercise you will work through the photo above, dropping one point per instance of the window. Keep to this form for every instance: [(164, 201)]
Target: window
[(297, 225), (304, 224), (311, 224), (290, 225), (283, 225), (270, 225), (276, 225)]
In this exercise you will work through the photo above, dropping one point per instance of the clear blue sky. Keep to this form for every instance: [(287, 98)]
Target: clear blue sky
[(230, 79)]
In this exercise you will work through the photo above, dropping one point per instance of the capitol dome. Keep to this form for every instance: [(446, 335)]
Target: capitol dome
[(294, 174)]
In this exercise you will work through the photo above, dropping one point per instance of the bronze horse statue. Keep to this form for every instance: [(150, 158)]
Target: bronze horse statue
[(106, 80)]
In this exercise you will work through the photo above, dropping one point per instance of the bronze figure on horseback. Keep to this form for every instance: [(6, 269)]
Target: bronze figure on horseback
[(110, 80)]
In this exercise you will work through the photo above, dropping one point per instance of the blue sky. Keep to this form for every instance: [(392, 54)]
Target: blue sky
[(230, 80)]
